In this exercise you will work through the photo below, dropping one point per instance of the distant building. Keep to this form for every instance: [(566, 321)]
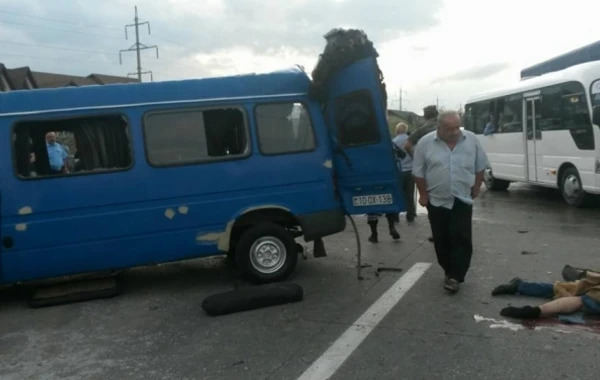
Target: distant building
[(23, 78)]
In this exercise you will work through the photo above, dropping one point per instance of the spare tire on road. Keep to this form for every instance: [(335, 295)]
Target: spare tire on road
[(253, 297)]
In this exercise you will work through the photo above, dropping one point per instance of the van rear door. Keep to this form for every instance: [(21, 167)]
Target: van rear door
[(364, 160)]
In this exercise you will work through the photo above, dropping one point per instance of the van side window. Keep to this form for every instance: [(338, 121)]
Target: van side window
[(284, 128), (356, 120), (193, 136), (47, 148)]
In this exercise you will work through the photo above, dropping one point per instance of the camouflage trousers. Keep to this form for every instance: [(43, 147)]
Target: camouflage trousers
[(374, 218)]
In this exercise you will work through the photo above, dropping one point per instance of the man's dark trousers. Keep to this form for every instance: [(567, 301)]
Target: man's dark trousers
[(452, 236)]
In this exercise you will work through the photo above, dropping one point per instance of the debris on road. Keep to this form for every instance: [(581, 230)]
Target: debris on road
[(387, 269), (528, 253), (75, 291)]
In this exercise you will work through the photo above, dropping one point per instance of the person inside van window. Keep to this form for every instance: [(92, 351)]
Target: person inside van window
[(491, 127), (57, 155)]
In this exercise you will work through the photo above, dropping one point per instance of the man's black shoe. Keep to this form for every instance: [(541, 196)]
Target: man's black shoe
[(511, 287)]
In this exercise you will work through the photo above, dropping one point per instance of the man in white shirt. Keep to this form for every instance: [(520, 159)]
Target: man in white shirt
[(448, 167)]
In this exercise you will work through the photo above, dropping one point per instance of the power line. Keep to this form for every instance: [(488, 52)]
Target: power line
[(57, 48), (57, 59), (56, 29), (59, 21), (110, 54), (64, 60), (79, 25), (137, 47), (168, 41)]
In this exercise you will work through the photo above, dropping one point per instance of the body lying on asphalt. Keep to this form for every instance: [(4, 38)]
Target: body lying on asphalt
[(579, 295)]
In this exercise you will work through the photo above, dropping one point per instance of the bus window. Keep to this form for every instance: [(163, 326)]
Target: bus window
[(50, 148), (284, 128), (181, 137), (576, 116), (551, 114), (596, 100), (481, 116), (468, 120), (512, 115)]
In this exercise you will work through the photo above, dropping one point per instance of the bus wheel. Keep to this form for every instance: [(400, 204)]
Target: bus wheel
[(266, 252), (571, 188), (492, 183)]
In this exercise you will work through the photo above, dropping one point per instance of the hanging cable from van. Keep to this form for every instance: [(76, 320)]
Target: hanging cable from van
[(358, 249)]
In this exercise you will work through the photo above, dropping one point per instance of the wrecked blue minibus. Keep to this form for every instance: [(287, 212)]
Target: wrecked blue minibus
[(104, 178)]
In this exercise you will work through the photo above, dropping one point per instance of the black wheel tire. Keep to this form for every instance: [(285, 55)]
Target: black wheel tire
[(279, 246), (571, 188), (230, 259), (494, 184)]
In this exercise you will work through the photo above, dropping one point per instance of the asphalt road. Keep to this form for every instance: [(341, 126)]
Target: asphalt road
[(157, 329)]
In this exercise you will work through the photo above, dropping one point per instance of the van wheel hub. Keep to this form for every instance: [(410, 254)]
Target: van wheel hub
[(268, 254)]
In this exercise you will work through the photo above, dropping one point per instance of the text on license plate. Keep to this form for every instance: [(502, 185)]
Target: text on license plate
[(372, 200)]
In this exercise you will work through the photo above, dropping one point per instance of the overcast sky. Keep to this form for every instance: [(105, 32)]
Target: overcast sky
[(431, 48)]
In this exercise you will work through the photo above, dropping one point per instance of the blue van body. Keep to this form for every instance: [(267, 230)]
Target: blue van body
[(145, 213)]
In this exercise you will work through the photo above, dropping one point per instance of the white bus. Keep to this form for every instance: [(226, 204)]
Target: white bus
[(545, 131)]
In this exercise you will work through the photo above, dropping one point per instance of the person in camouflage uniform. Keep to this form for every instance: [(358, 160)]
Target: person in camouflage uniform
[(373, 219), (430, 113)]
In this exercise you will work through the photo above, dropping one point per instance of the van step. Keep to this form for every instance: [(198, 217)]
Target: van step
[(70, 292)]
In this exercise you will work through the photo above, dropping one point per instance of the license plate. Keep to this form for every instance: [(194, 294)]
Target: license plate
[(372, 200)]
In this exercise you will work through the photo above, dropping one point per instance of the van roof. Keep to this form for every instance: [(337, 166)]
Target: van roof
[(277, 83)]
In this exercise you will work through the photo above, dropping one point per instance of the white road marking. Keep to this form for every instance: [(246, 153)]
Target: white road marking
[(326, 366)]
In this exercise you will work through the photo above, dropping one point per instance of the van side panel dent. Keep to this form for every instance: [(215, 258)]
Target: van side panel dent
[(212, 237), (25, 210), (169, 213)]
